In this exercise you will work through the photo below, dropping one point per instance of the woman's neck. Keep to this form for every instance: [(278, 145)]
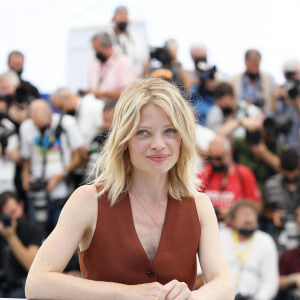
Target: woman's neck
[(151, 188)]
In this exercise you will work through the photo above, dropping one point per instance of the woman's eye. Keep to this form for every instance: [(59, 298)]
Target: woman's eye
[(142, 132), (171, 130)]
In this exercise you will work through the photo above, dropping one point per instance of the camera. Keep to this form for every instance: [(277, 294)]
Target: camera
[(5, 219), (293, 88), (289, 236), (161, 54), (205, 73), (38, 185), (241, 297), (273, 127), (5, 133)]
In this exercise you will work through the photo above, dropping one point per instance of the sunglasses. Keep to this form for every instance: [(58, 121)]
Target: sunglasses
[(215, 158)]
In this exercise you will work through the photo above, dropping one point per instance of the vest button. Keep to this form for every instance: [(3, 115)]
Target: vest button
[(150, 273)]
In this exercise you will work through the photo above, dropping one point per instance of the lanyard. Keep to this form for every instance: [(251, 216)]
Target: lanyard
[(241, 256)]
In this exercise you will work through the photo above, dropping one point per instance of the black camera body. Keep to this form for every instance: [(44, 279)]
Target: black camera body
[(5, 219), (241, 297), (293, 88), (161, 54), (38, 185), (273, 127), (205, 71)]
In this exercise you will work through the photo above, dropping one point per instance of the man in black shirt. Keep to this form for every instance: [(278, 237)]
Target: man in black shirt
[(19, 243), (26, 92)]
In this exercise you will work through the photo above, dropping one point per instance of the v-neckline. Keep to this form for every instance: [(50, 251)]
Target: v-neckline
[(136, 234)]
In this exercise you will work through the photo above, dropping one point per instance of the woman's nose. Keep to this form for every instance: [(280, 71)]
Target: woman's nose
[(158, 142)]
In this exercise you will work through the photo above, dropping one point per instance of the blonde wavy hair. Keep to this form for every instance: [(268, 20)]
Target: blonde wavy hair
[(113, 168)]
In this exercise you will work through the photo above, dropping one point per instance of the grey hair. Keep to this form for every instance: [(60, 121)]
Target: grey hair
[(120, 8), (10, 76), (61, 93), (104, 39), (291, 65)]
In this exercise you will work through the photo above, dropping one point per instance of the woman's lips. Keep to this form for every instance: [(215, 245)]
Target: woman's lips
[(158, 158)]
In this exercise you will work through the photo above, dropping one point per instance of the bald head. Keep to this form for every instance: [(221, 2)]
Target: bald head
[(219, 146), (219, 153), (40, 113)]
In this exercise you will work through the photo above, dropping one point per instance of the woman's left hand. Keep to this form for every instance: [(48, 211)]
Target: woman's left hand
[(175, 290)]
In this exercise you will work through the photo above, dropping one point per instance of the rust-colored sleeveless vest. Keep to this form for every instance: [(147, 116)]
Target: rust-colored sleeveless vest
[(116, 254)]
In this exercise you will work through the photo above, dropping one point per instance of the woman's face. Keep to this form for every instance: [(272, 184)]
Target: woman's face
[(155, 147)]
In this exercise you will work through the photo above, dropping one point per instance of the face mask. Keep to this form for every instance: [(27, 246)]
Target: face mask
[(227, 110), (246, 232), (101, 57), (220, 168), (122, 26), (71, 112), (253, 76), (19, 73), (291, 181)]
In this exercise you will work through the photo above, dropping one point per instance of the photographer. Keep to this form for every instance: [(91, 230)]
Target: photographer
[(50, 149), (230, 117), (253, 85), (283, 199), (112, 70), (19, 243), (251, 254), (26, 91), (129, 41), (204, 80), (289, 268), (9, 153), (87, 111), (13, 103), (226, 182), (286, 102)]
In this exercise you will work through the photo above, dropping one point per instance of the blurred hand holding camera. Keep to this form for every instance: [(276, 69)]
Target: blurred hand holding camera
[(251, 124), (53, 181), (8, 231)]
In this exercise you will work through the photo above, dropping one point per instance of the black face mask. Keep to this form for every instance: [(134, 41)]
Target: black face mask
[(19, 73), (71, 112), (253, 76), (101, 57), (227, 110), (291, 181), (122, 26), (220, 168), (246, 232)]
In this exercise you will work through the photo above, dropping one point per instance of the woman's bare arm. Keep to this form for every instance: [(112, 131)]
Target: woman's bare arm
[(215, 270)]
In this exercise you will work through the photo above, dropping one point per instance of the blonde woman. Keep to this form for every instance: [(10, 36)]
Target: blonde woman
[(141, 223)]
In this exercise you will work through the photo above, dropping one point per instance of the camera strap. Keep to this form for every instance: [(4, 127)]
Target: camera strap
[(241, 256), (57, 133)]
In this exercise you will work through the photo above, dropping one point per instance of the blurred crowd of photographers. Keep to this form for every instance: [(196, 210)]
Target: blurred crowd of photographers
[(247, 144)]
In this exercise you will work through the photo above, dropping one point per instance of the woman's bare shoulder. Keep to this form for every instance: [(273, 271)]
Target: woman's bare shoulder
[(83, 201), (84, 194), (202, 199), (204, 206)]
